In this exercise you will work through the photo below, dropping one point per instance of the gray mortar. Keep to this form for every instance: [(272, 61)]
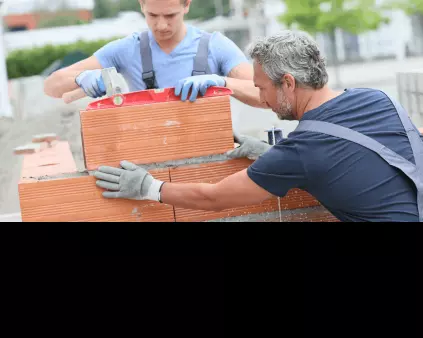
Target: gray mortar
[(151, 166), (61, 176), (267, 216), (187, 161)]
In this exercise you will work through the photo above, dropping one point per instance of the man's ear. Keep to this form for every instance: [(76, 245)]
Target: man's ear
[(289, 81), (186, 6)]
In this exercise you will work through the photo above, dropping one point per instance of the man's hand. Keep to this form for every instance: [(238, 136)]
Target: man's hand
[(250, 147), (91, 83), (198, 83), (131, 182)]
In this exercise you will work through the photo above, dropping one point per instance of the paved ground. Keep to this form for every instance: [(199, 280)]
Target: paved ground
[(246, 119)]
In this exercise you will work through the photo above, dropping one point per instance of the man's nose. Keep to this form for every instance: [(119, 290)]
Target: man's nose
[(161, 24)]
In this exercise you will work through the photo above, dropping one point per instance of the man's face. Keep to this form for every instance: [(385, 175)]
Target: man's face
[(273, 96), (164, 17)]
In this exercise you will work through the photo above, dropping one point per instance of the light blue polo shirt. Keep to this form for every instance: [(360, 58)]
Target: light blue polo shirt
[(124, 54)]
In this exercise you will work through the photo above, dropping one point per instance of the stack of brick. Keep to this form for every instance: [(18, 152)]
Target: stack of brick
[(176, 141)]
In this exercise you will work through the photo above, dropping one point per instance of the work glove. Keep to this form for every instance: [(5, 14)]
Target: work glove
[(130, 182), (91, 83), (198, 83), (250, 147)]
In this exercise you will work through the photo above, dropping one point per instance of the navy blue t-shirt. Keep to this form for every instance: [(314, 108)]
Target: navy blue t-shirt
[(351, 181)]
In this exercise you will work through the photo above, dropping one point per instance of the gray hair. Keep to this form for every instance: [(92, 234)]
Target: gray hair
[(292, 52)]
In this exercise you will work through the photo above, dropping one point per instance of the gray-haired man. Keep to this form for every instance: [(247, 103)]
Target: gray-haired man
[(356, 151)]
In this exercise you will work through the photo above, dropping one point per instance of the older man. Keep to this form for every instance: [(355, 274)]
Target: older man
[(356, 150)]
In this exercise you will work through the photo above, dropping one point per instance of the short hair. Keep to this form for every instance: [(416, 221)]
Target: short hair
[(290, 52)]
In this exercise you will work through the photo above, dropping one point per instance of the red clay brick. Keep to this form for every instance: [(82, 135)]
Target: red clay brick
[(156, 132), (50, 161), (215, 172), (78, 199), (44, 138)]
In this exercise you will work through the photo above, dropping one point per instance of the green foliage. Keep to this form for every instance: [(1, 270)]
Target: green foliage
[(325, 16), (408, 6), (59, 21), (204, 10), (199, 9), (129, 5), (29, 62), (105, 9)]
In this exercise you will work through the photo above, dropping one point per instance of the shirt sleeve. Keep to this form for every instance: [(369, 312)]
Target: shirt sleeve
[(112, 53), (279, 170), (227, 54)]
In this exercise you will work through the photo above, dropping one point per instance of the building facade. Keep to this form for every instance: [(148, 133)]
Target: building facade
[(29, 14)]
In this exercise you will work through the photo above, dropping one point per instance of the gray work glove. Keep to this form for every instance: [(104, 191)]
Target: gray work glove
[(131, 182), (250, 147)]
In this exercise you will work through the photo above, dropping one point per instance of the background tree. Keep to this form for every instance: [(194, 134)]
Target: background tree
[(326, 16), (208, 9), (128, 5), (412, 8), (105, 9), (199, 10)]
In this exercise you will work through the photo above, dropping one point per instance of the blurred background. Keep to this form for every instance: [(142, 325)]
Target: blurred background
[(367, 43)]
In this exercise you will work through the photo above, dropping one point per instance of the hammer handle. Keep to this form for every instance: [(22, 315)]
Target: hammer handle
[(73, 95)]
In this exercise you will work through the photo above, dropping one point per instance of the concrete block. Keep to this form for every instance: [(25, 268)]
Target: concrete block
[(410, 90), (156, 132), (215, 172)]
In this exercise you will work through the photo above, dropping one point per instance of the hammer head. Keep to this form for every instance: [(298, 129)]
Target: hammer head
[(111, 81)]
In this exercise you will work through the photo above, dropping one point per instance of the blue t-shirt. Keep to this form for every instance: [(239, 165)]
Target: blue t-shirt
[(351, 181), (124, 54)]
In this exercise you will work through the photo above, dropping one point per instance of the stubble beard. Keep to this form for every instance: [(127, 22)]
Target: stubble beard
[(284, 112)]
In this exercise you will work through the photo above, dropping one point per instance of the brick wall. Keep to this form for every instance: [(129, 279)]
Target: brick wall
[(196, 137)]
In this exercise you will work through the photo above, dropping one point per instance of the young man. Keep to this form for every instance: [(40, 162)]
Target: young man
[(170, 54), (356, 151)]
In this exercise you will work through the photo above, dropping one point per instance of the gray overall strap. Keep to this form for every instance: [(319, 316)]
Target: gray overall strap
[(414, 172), (201, 61), (412, 133), (148, 75)]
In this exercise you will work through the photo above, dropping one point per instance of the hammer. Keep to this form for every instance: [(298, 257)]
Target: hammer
[(110, 79)]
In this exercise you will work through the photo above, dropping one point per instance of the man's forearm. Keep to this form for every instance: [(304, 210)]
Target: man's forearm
[(245, 91), (199, 196), (60, 82)]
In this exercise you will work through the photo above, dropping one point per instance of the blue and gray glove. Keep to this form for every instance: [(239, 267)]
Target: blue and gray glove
[(91, 83), (130, 182), (198, 83)]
